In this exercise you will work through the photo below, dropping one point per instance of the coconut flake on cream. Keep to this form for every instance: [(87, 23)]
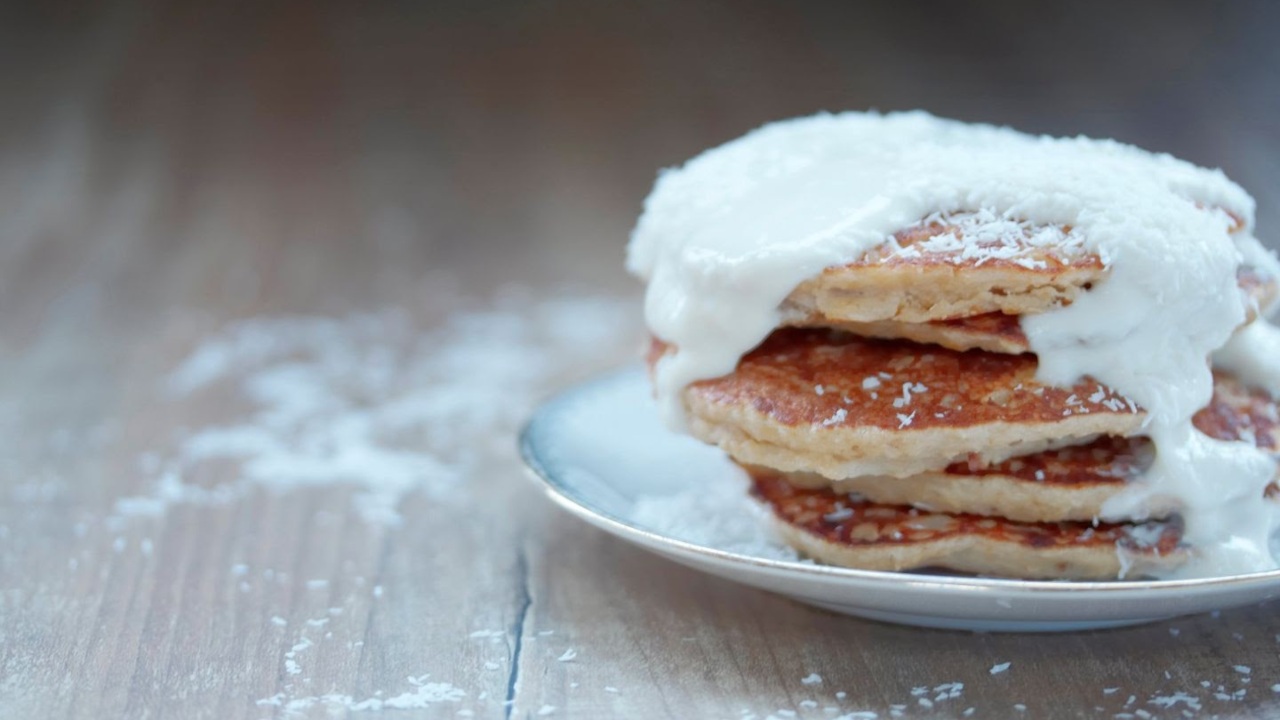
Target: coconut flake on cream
[(725, 238)]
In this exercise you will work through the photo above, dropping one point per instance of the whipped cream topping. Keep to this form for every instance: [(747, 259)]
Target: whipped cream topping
[(725, 238)]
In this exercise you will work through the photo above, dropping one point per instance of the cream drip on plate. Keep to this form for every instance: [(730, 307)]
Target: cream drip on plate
[(725, 238)]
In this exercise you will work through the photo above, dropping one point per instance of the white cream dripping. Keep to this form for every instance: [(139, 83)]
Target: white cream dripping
[(724, 239)]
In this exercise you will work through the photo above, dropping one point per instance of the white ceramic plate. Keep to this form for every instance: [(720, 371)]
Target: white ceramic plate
[(599, 447)]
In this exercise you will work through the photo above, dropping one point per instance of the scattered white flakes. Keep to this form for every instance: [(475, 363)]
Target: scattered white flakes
[(373, 401), (546, 710), (491, 665), (1178, 698), (948, 691), (277, 620), (568, 655), (573, 686), (1175, 631), (858, 715), (786, 713), (1275, 688), (818, 389), (146, 546), (488, 635), (811, 679), (925, 702), (377, 591), (997, 669), (1243, 669), (610, 689), (1020, 707), (839, 515), (905, 420), (907, 390), (545, 633), (466, 713), (919, 690), (967, 712), (1110, 691), (318, 584), (318, 622), (870, 383), (808, 704), (239, 569), (118, 544), (842, 695), (836, 418)]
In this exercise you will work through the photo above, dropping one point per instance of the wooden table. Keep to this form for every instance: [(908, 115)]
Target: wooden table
[(471, 173)]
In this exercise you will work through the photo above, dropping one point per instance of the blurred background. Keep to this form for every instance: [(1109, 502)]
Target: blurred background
[(488, 143), (443, 193)]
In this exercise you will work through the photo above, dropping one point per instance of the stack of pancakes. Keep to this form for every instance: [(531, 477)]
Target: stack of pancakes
[(895, 421)]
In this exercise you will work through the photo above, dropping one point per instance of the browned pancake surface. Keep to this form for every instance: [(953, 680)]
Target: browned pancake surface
[(1000, 332), (829, 379), (1070, 483), (957, 266), (845, 520)]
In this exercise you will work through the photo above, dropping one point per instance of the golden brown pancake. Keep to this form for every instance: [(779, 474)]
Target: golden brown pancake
[(842, 406), (998, 332), (839, 530), (994, 332), (1070, 483), (920, 276), (951, 266)]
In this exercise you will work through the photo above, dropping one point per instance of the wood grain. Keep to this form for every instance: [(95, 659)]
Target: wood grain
[(166, 169)]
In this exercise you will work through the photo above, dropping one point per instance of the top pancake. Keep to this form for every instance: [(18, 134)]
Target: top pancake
[(843, 406), (998, 332), (953, 267), (962, 265)]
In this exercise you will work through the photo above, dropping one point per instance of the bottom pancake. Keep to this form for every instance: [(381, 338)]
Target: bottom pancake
[(852, 532)]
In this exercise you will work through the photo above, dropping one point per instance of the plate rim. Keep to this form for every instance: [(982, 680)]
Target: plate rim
[(538, 471)]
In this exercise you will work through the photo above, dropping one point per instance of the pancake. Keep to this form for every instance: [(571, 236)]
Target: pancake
[(954, 265), (839, 530), (993, 332), (842, 406), (998, 332), (1070, 483)]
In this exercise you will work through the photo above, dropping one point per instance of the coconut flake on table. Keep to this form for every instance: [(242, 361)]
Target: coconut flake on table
[(373, 402), (725, 238)]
